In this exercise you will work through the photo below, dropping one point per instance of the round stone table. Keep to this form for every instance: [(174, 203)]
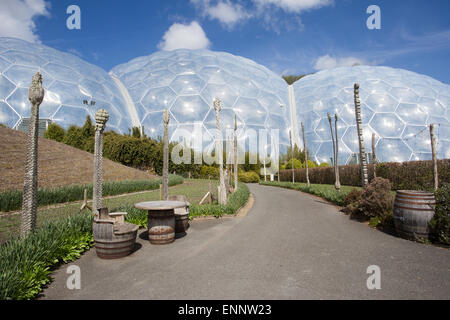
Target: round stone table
[(161, 219)]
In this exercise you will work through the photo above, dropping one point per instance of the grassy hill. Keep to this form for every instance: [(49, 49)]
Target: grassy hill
[(59, 164)]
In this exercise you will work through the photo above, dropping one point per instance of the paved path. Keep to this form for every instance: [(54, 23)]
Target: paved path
[(289, 246)]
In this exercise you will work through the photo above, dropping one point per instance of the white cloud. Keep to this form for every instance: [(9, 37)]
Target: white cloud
[(225, 11), (295, 6), (190, 36), (17, 18), (328, 62)]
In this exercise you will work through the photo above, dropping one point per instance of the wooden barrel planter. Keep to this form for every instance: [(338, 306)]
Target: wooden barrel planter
[(181, 223), (161, 227), (113, 242), (413, 211)]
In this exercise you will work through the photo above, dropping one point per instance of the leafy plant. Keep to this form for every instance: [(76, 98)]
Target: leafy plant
[(55, 132), (25, 263), (440, 223), (248, 177), (378, 201)]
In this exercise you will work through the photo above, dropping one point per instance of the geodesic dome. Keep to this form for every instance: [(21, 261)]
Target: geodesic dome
[(186, 82), (67, 81), (397, 105)]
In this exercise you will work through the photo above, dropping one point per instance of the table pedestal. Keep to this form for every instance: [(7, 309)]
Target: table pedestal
[(161, 226)]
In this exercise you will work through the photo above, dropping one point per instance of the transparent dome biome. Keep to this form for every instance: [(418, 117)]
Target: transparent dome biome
[(67, 80), (186, 82), (396, 105)]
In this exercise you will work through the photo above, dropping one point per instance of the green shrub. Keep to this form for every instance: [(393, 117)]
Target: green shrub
[(12, 200), (55, 132), (440, 223), (248, 177), (74, 137), (209, 171), (25, 262), (411, 175), (378, 201)]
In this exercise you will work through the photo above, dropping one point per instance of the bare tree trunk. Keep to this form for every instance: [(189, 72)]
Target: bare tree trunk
[(374, 156), (165, 177), (337, 184), (235, 153), (362, 151), (306, 155), (336, 156), (30, 184), (433, 154), (101, 117), (219, 145), (292, 157)]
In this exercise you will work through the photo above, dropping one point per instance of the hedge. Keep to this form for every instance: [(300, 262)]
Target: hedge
[(12, 200), (412, 175)]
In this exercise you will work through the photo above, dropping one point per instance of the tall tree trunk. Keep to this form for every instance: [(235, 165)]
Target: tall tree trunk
[(362, 151), (30, 184), (433, 154), (235, 153), (165, 182), (374, 156), (336, 155), (219, 145), (292, 156), (337, 185), (306, 155), (101, 117)]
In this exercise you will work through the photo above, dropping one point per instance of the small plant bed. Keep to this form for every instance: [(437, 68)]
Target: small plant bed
[(26, 263), (235, 201), (325, 191)]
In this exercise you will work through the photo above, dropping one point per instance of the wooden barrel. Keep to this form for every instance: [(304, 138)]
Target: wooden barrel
[(181, 223), (413, 211), (117, 245), (161, 226)]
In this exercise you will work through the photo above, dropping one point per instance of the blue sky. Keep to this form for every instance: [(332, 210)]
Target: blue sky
[(287, 36)]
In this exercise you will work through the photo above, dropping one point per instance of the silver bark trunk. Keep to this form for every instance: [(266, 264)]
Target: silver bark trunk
[(219, 144), (306, 155), (433, 154), (165, 177), (235, 154), (374, 156), (362, 151)]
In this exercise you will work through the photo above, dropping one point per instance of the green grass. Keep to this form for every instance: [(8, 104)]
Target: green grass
[(12, 200), (194, 195), (193, 189), (326, 191)]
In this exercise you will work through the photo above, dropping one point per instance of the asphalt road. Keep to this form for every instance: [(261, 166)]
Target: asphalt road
[(289, 246)]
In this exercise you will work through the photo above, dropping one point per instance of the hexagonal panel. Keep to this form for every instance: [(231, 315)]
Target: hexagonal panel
[(23, 58), (221, 91), (22, 76), (6, 87), (63, 73), (18, 100), (7, 115), (392, 150), (387, 125), (404, 95), (381, 102), (251, 111), (189, 109), (158, 99), (187, 84), (412, 113), (67, 116), (158, 78)]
